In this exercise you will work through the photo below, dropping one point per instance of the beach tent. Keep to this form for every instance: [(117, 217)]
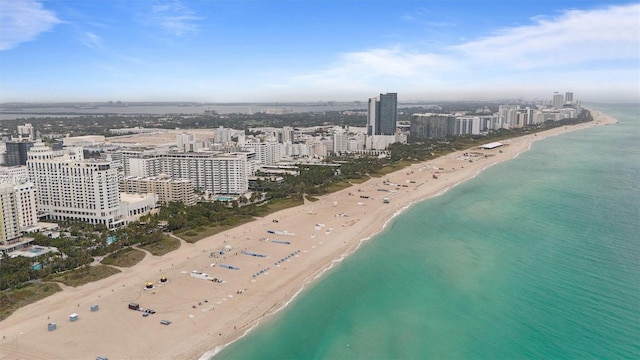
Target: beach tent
[(73, 317), (52, 326), (94, 308)]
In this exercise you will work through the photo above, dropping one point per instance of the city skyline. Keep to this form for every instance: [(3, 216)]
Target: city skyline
[(254, 51)]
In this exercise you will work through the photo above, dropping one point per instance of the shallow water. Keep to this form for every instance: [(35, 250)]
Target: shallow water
[(537, 257)]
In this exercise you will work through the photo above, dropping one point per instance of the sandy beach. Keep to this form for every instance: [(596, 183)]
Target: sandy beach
[(259, 267)]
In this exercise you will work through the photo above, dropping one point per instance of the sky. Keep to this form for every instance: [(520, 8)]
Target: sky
[(329, 50)]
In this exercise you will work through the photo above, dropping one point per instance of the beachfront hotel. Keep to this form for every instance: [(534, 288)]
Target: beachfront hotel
[(70, 187)]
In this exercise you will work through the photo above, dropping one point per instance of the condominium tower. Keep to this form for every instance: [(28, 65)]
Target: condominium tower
[(382, 114)]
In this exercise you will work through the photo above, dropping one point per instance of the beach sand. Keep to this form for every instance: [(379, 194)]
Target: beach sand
[(205, 314)]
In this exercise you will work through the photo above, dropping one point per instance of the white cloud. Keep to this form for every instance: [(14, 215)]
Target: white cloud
[(22, 21), (564, 48), (576, 36), (175, 18), (91, 40)]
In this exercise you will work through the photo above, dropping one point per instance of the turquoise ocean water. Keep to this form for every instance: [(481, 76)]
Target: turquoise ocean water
[(537, 257)]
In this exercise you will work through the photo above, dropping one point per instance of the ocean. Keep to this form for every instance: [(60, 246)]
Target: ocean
[(537, 257)]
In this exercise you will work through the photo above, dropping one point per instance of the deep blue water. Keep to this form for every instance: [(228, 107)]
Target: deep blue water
[(538, 257)]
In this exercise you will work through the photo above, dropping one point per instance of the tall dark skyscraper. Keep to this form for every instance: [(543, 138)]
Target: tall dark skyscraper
[(17, 152), (382, 115)]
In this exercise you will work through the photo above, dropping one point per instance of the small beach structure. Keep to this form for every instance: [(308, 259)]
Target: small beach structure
[(230, 267), (200, 275), (149, 285), (490, 146), (134, 306), (163, 279), (52, 326), (73, 317), (95, 308), (250, 253), (281, 242)]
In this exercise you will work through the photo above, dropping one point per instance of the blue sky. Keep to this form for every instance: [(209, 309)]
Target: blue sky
[(343, 50)]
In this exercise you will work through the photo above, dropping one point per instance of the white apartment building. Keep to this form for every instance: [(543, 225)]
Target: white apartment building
[(558, 100), (507, 115), (69, 187), (9, 214), (467, 125), (285, 135), (267, 153), (20, 195), (340, 142), (218, 173), (26, 203), (143, 166), (187, 143), (221, 135), (26, 132), (297, 150), (167, 189)]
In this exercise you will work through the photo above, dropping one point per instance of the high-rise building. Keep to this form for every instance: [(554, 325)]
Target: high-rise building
[(433, 126), (17, 208), (558, 101), (220, 174), (382, 114), (268, 153), (388, 119), (221, 135), (69, 187), (186, 142), (26, 132), (17, 152), (340, 142), (568, 98), (9, 221)]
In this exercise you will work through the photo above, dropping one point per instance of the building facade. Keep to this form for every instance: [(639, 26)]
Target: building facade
[(433, 126), (69, 187), (210, 171), (167, 189), (9, 220), (17, 152), (382, 114)]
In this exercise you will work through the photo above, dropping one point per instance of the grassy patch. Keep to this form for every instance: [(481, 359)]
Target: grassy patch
[(165, 245), (359, 180), (311, 198), (126, 257), (13, 299), (276, 205), (193, 235), (395, 167), (84, 275), (337, 186)]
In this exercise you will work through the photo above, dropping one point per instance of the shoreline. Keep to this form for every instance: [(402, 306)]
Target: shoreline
[(207, 316)]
